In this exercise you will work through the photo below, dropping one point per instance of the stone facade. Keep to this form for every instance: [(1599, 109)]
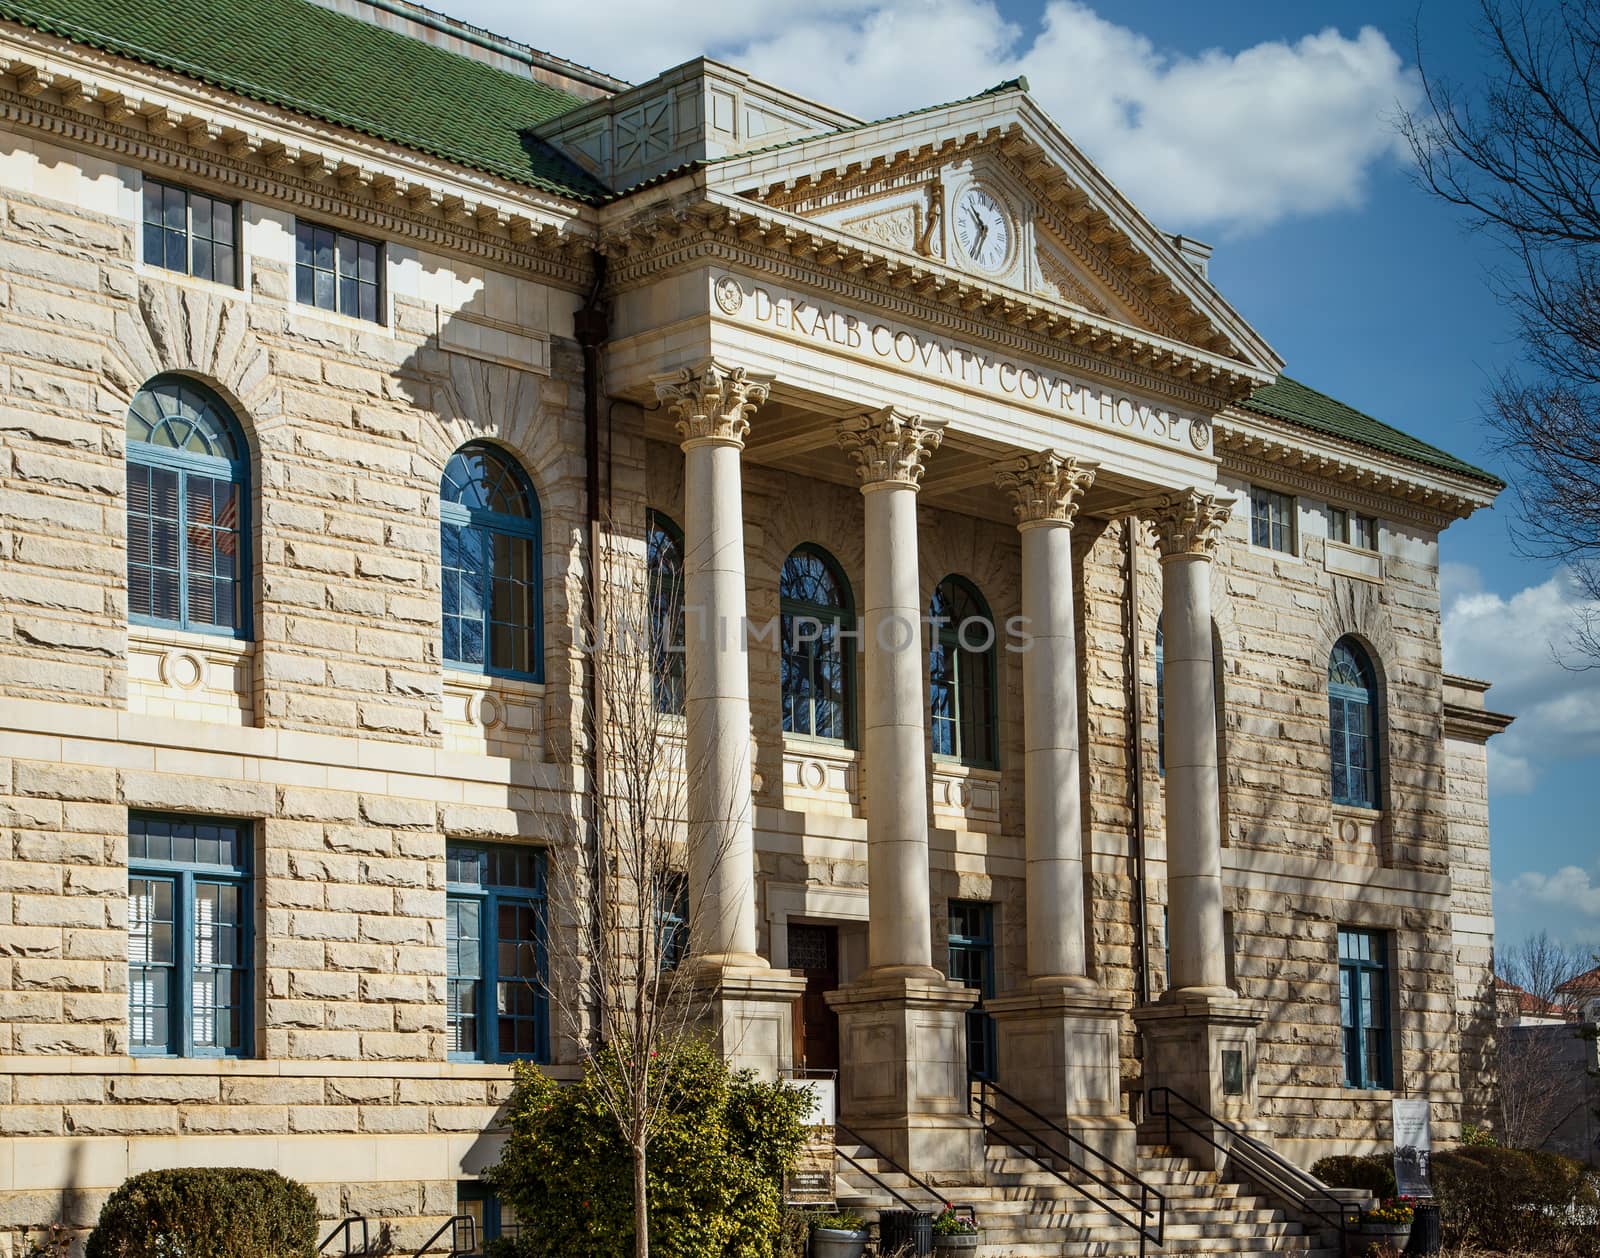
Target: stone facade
[(338, 732)]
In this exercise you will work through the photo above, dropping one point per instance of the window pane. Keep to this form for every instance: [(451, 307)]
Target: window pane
[(463, 953), (151, 953)]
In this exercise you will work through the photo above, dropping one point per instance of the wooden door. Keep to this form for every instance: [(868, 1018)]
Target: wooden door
[(814, 951)]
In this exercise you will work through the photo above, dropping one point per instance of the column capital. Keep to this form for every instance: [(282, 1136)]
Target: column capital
[(1188, 522), (1046, 487), (890, 446), (712, 401)]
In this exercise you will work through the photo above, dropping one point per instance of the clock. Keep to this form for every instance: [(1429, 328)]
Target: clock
[(984, 229)]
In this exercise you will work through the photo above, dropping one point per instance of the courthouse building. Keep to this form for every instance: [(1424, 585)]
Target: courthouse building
[(334, 336)]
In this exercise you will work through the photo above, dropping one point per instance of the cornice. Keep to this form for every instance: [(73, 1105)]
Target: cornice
[(1253, 449), (95, 100), (1473, 724), (782, 246)]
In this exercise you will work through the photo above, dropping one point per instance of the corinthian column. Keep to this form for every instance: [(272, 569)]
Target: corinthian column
[(889, 448), (1200, 1037), (902, 1024), (1045, 489), (749, 1003), (1188, 526)]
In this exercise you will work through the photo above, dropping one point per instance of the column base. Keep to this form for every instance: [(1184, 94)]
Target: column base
[(1201, 1044), (748, 1012), (1060, 1053), (903, 1070)]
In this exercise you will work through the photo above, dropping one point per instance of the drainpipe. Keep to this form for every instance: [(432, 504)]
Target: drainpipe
[(592, 327), (1136, 759)]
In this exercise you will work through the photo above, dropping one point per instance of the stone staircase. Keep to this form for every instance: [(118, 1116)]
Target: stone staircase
[(1027, 1212)]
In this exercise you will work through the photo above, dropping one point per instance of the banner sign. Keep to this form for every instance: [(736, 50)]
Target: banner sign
[(811, 1183), (1413, 1148)]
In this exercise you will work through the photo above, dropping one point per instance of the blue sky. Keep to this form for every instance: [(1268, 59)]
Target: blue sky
[(1266, 128)]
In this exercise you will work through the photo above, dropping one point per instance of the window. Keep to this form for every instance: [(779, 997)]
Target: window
[(187, 506), (334, 270), (1364, 1008), (972, 963), (497, 1007), (1352, 738), (1272, 519), (489, 548), (189, 913), (664, 555), (672, 919), (961, 674), (492, 1219), (190, 232), (814, 605), (1360, 531)]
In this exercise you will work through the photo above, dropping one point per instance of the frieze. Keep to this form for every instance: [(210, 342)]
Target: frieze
[(877, 338)]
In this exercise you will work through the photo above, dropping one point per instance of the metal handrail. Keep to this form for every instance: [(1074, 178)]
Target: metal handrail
[(344, 1226), (893, 1166), (989, 1115), (449, 1225), (1345, 1216), (872, 1175)]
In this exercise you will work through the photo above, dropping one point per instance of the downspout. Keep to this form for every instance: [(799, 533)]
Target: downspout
[(1136, 761), (592, 327)]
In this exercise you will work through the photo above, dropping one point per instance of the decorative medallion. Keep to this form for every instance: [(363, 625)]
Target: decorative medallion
[(730, 295), (1199, 434)]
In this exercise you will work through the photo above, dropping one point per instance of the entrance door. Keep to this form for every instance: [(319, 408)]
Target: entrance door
[(814, 951), (972, 963)]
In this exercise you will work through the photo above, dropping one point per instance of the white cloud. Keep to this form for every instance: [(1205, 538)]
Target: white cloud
[(1224, 141), (1518, 644), (1569, 888)]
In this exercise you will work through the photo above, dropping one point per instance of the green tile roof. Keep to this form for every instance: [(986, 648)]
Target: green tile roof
[(1289, 400), (303, 57)]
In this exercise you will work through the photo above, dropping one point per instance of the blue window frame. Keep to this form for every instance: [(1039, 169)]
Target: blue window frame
[(190, 232), (189, 936), (817, 671), (489, 551), (188, 510), (498, 1002), (1364, 1008), (972, 963), (1272, 519), (664, 554), (961, 674), (672, 919), (334, 270), (492, 1219), (1352, 725)]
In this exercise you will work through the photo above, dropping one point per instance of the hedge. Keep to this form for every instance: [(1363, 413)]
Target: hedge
[(207, 1212)]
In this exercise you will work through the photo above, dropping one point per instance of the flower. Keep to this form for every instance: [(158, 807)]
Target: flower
[(1396, 1210)]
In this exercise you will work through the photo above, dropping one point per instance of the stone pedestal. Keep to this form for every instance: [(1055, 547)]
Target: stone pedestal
[(749, 1014), (1202, 1045), (1059, 1053), (903, 1076)]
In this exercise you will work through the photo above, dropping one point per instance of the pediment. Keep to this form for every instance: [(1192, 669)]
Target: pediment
[(1074, 240)]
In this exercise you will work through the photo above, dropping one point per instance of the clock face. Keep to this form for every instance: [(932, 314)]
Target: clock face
[(983, 228)]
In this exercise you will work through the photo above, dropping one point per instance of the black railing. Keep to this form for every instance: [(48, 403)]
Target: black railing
[(453, 1226), (346, 1229), (1145, 1213), (1259, 1160), (840, 1129)]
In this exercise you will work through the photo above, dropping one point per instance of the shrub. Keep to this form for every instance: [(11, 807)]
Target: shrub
[(206, 1212), (715, 1167), (1510, 1199), (1373, 1173)]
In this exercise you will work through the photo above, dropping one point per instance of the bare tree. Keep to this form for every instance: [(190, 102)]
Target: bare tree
[(1541, 1084), (1541, 966), (624, 997), (1521, 155)]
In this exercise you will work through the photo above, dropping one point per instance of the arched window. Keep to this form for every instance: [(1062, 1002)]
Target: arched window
[(489, 548), (814, 605), (188, 506), (664, 556), (961, 673), (1352, 704)]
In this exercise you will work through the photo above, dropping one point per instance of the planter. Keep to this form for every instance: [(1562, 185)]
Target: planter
[(833, 1242), (957, 1243), (1372, 1235)]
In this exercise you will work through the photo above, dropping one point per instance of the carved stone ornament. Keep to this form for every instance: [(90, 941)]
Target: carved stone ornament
[(1188, 523), (711, 400), (890, 446), (1046, 486)]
